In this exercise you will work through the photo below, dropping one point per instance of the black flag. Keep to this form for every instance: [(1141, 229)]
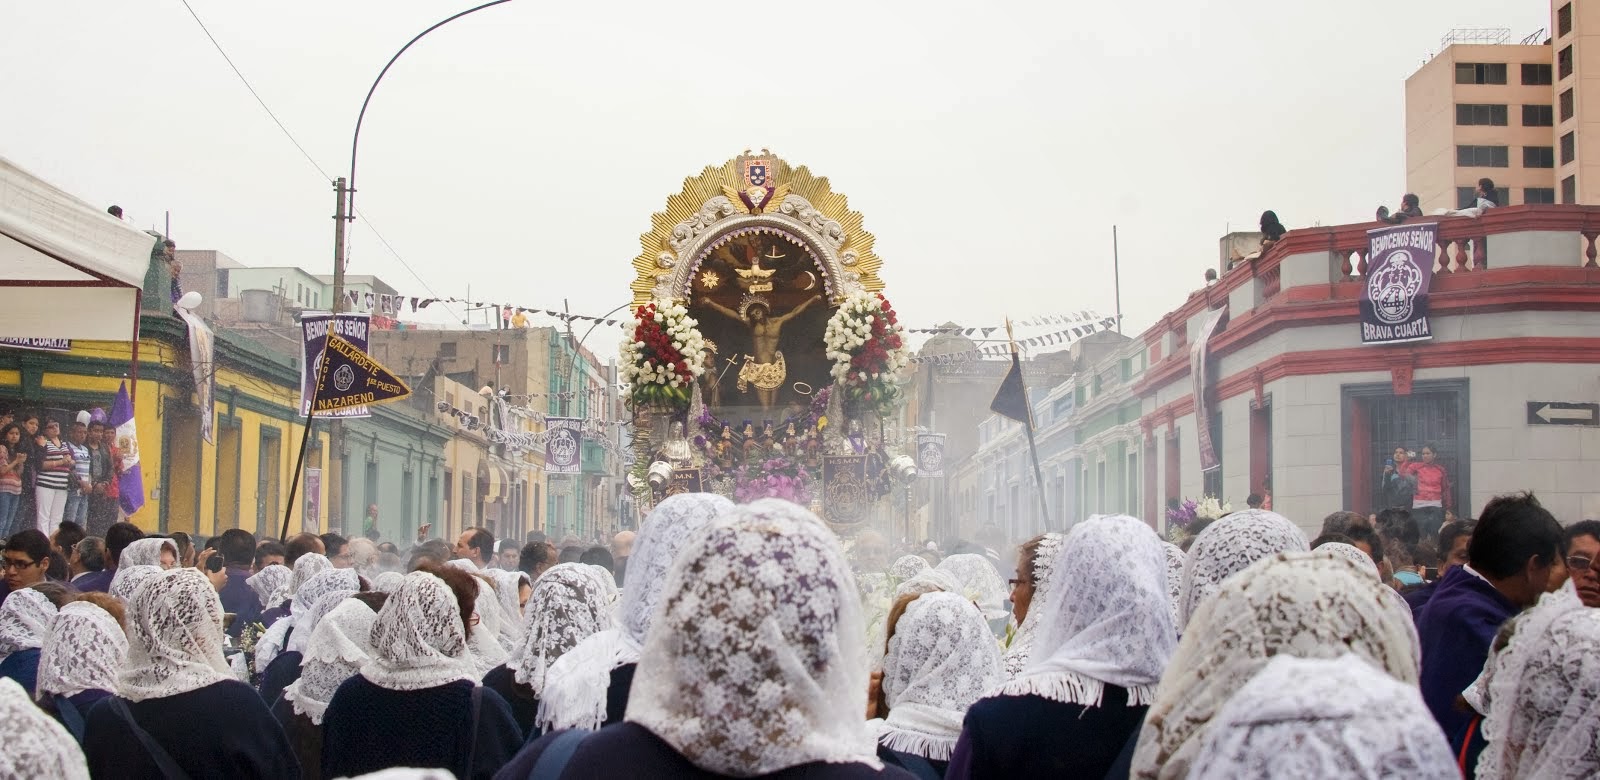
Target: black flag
[(350, 377), (1011, 400)]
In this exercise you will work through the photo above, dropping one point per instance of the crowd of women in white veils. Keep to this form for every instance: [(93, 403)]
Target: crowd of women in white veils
[(745, 645)]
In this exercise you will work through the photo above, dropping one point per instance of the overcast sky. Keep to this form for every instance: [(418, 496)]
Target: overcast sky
[(522, 150)]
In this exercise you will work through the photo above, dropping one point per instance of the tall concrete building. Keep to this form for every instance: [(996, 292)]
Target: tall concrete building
[(1514, 112)]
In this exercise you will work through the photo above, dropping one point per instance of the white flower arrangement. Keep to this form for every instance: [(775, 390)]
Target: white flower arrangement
[(1211, 508), (868, 349), (662, 353)]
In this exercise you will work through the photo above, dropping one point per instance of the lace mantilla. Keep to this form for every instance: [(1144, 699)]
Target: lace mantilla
[(388, 582), (1324, 718), (129, 579), (341, 643), (1228, 547), (147, 552), (571, 599), (1544, 700), (174, 637), (941, 659), (271, 584), (508, 591), (418, 640), (575, 687), (84, 651), (907, 566), (1044, 563), (1351, 554), (1176, 560), (36, 745), (24, 621), (755, 660), (1302, 604), (316, 597), (1105, 618), (306, 567), (977, 579)]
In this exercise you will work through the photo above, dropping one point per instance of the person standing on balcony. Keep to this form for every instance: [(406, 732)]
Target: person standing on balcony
[(1410, 206), (1488, 196), (1271, 230), (1432, 485)]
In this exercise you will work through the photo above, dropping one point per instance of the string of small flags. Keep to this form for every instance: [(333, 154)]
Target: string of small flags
[(394, 305), (1059, 337)]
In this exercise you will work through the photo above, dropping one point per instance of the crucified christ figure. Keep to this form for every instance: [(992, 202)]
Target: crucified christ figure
[(765, 369)]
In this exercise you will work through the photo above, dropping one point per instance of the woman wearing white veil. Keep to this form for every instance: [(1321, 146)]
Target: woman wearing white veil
[(571, 599), (754, 666), (587, 688)]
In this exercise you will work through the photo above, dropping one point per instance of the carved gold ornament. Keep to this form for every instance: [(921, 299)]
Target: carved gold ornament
[(710, 280)]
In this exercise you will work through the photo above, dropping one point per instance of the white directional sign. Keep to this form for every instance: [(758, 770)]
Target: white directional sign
[(1563, 413)]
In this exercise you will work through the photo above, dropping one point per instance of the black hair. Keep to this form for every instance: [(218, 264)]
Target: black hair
[(1331, 539), (1489, 194), (1398, 524), (482, 541), (115, 211), (91, 553), (1430, 446), (333, 544), (1361, 534), (1449, 532), (30, 542), (1411, 199), (68, 534), (599, 556), (57, 570), (1339, 522), (572, 553), (533, 557), (238, 547), (1581, 528), (118, 537), (22, 435), (1511, 529), (268, 549), (536, 537), (1254, 501)]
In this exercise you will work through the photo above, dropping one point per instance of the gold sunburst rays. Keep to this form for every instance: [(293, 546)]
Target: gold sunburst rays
[(713, 181)]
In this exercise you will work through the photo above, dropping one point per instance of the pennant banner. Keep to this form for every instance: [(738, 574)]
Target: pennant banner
[(314, 327), (1394, 296), (930, 455), (562, 453), (350, 377)]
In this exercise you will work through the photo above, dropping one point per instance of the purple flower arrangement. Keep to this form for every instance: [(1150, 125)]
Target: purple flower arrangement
[(772, 478), (1183, 515)]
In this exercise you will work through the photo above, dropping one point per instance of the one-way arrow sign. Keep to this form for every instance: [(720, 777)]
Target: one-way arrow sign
[(1563, 413)]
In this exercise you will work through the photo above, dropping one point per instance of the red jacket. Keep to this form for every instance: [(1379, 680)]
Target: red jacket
[(1433, 483)]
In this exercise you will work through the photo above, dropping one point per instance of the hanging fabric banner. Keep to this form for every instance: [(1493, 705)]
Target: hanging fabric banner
[(561, 451), (845, 500), (1394, 296), (202, 367), (930, 455), (314, 327), (1198, 373)]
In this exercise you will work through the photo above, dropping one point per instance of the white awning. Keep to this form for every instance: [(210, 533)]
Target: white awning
[(68, 270)]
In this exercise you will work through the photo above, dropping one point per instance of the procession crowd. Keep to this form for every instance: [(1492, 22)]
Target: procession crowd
[(748, 641)]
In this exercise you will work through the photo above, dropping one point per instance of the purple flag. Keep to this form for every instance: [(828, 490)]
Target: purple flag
[(130, 485)]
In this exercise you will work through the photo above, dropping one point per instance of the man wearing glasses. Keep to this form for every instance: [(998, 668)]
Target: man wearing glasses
[(1583, 547), (26, 556)]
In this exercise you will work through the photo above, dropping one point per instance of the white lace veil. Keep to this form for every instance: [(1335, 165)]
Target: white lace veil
[(1106, 620), (146, 552), (24, 621), (571, 599), (271, 584), (1176, 560), (1044, 562), (1544, 701), (907, 566), (84, 651), (508, 591), (941, 659), (484, 640), (340, 645), (1228, 547), (575, 687), (306, 567), (324, 582), (1351, 554), (977, 579), (418, 640), (388, 582), (1303, 604), (36, 745), (305, 624), (174, 637), (1324, 718), (754, 662), (128, 579)]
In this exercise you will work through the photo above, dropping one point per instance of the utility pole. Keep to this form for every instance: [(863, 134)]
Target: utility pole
[(335, 466)]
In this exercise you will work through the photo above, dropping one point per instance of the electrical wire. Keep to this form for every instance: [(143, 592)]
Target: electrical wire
[(307, 155)]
